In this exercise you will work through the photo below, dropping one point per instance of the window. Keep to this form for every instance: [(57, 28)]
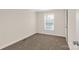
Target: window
[(49, 22)]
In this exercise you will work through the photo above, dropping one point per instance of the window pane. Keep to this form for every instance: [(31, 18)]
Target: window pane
[(49, 22)]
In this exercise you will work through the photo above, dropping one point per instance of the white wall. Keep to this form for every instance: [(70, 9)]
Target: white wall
[(77, 26), (59, 22), (16, 25), (71, 28)]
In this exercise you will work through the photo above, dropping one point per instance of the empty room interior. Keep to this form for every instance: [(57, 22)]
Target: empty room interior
[(34, 29)]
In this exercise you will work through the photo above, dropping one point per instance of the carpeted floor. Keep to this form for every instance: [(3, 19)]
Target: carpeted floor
[(40, 42)]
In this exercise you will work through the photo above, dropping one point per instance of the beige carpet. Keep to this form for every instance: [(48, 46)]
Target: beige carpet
[(40, 42)]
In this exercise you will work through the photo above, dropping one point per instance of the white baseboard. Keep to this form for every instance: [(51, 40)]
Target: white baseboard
[(54, 34), (6, 45)]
